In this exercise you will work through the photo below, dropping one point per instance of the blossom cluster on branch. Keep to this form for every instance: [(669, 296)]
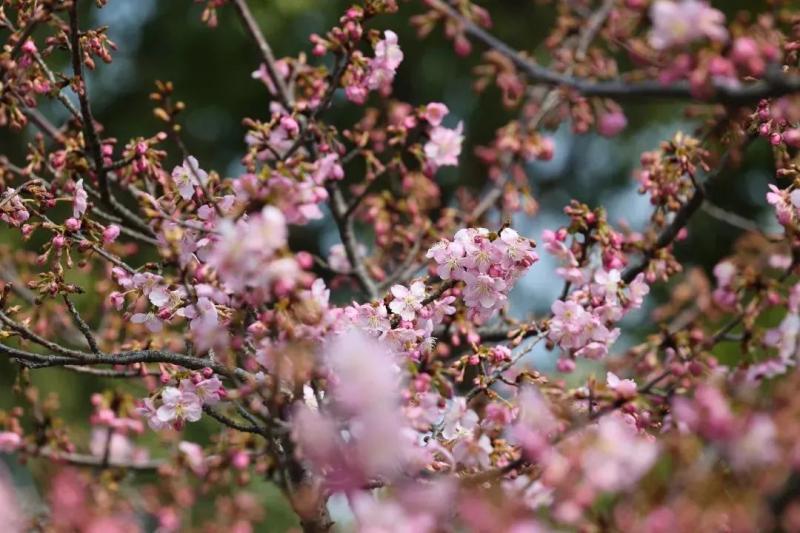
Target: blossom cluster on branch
[(392, 371)]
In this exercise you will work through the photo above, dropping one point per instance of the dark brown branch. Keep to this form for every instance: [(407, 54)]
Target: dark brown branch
[(92, 139), (268, 57), (231, 423), (347, 233), (36, 360), (681, 219), (773, 85), (82, 326)]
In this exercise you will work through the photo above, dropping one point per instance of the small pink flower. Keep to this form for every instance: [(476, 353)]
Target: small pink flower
[(9, 441), (435, 112), (111, 233), (188, 175), (683, 22), (178, 405), (612, 124), (625, 388), (150, 321), (407, 301), (72, 224), (444, 146)]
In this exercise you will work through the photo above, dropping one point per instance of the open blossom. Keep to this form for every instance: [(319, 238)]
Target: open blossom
[(685, 21), (407, 301), (459, 420), (209, 391), (383, 66), (244, 249), (488, 268), (483, 290), (625, 388), (444, 146), (785, 203), (187, 176), (364, 402), (435, 112), (150, 321), (178, 405), (619, 456), (375, 73)]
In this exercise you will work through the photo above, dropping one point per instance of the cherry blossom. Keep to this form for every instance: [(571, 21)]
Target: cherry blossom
[(684, 21), (444, 146)]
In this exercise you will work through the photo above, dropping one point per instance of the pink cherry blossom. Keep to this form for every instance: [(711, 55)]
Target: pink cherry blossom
[(685, 21), (9, 441), (407, 301), (444, 146), (178, 406), (624, 388), (619, 457), (187, 176)]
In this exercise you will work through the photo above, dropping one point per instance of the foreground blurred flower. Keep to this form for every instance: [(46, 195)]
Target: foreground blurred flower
[(683, 22)]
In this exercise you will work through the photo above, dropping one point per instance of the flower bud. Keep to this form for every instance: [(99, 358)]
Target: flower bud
[(111, 233)]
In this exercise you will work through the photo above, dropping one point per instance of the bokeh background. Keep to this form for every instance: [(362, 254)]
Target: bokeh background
[(211, 71)]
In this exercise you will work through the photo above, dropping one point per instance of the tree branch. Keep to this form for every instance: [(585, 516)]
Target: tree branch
[(253, 29), (90, 130), (773, 85)]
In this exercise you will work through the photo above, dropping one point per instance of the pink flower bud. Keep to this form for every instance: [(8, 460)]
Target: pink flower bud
[(546, 149), (305, 260), (792, 138), (29, 47), (116, 299), (565, 366), (73, 224), (290, 125), (744, 49), (611, 124), (111, 233), (435, 112), (59, 241), (461, 45)]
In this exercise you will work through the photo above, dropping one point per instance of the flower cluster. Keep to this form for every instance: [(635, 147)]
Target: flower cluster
[(358, 434), (377, 73), (176, 405), (244, 255), (488, 263), (444, 144), (582, 323)]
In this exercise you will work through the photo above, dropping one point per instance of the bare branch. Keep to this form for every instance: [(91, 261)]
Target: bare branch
[(255, 32)]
